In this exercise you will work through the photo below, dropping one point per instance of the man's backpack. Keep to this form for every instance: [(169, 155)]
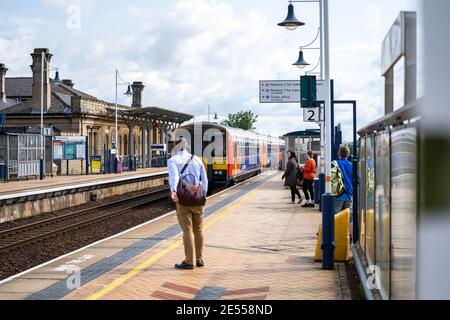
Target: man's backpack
[(337, 181), (190, 195)]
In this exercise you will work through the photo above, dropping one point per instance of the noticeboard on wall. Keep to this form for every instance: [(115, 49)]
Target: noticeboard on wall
[(69, 148)]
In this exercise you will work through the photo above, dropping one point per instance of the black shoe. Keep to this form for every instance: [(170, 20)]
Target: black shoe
[(306, 205), (200, 263), (184, 266), (312, 205)]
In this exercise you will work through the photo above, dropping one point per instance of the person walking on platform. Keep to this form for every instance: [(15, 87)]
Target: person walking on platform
[(309, 174), (344, 200), (342, 184), (188, 187), (290, 176)]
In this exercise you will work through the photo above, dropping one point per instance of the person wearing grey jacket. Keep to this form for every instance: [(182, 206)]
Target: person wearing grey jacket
[(290, 176)]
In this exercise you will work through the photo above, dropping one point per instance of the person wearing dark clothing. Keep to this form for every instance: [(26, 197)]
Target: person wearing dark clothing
[(290, 176), (308, 180)]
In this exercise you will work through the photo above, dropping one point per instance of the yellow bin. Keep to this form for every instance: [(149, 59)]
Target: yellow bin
[(341, 238)]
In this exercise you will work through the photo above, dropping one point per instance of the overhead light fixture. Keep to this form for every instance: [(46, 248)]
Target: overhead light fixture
[(291, 22), (301, 63), (129, 92)]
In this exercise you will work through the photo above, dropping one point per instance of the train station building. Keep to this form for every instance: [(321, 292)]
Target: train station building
[(71, 112)]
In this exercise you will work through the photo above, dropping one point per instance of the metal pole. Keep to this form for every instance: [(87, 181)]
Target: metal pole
[(328, 198), (333, 136), (117, 118), (355, 178), (41, 161)]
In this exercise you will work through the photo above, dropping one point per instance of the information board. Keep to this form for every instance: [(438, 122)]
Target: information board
[(69, 148), (57, 150), (286, 91), (70, 151)]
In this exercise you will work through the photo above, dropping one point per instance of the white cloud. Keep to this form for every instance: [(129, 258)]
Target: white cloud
[(197, 53)]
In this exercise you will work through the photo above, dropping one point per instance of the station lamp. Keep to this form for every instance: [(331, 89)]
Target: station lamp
[(129, 92), (301, 63), (57, 78), (291, 22)]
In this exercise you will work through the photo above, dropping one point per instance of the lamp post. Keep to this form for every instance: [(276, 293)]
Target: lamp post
[(129, 93), (291, 23)]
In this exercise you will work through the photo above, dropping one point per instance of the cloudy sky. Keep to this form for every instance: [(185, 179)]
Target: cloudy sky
[(195, 53)]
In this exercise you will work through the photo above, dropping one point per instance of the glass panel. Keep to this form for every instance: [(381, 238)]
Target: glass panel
[(403, 213), (23, 155), (383, 186), (362, 195), (370, 201), (22, 141)]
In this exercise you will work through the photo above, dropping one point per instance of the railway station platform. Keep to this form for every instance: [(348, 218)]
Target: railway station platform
[(24, 199), (23, 186), (257, 247)]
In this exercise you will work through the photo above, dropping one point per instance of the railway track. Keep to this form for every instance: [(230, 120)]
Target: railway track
[(31, 233)]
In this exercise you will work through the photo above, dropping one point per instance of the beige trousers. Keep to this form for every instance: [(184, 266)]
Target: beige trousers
[(191, 222)]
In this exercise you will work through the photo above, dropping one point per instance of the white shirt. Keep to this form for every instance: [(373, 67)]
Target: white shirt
[(196, 168)]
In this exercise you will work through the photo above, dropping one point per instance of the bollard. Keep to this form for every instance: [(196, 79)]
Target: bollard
[(328, 244), (321, 189), (316, 191)]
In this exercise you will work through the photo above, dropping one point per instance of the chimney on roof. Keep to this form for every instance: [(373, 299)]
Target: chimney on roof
[(68, 82), (3, 70), (137, 87), (36, 67)]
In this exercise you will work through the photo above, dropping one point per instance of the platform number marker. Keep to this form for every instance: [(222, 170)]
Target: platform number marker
[(312, 115)]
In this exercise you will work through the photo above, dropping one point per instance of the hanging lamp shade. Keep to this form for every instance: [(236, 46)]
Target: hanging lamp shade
[(57, 78), (129, 92), (301, 63), (291, 22)]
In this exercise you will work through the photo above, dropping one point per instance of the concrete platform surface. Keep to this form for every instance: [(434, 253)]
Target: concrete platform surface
[(257, 246), (15, 187)]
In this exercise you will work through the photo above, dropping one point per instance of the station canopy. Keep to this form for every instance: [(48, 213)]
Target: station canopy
[(156, 114)]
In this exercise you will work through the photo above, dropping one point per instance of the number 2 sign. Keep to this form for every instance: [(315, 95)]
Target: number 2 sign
[(311, 115)]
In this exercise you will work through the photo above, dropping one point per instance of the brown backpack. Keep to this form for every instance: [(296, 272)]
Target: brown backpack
[(190, 195)]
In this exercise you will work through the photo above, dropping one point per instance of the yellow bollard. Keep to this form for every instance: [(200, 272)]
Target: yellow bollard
[(341, 238)]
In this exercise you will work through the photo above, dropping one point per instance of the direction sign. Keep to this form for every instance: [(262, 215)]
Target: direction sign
[(312, 115), (279, 91), (285, 91)]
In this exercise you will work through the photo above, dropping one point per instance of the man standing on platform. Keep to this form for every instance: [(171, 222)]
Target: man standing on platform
[(188, 187)]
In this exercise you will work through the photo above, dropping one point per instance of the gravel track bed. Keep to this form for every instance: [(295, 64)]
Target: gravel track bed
[(32, 255)]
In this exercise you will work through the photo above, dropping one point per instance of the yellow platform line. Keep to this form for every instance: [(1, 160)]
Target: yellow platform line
[(218, 216)]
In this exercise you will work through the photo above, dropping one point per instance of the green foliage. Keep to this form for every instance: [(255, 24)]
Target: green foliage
[(242, 120)]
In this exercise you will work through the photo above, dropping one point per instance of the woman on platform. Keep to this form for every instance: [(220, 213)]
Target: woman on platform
[(290, 176), (309, 175)]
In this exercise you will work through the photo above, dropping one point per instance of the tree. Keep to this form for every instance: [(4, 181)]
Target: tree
[(242, 120)]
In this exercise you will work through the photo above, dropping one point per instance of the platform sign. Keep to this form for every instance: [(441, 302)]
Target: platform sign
[(312, 115), (96, 164), (279, 91), (286, 91)]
